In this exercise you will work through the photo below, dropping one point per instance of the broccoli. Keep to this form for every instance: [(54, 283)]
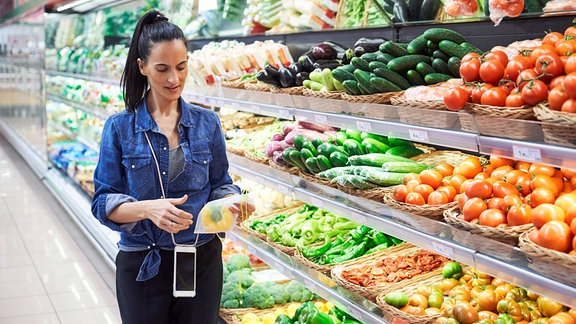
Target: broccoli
[(243, 277), (231, 295), (225, 271), (233, 303), (298, 293), (237, 262), (281, 297), (258, 297)]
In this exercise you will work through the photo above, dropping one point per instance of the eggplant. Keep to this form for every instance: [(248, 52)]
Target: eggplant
[(400, 12), (367, 45), (429, 9), (300, 77), (340, 49), (308, 65), (287, 77), (414, 9), (328, 65), (296, 67), (269, 77), (324, 52)]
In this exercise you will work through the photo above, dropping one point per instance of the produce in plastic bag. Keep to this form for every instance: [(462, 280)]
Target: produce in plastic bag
[(456, 8), (502, 8), (220, 215)]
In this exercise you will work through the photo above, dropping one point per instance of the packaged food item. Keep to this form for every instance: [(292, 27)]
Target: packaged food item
[(220, 215)]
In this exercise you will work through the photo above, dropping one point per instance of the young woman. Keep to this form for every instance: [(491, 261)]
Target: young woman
[(161, 136)]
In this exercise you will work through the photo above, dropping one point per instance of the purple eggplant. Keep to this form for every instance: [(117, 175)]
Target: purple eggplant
[(324, 52)]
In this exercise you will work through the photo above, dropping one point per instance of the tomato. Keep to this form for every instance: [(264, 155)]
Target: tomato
[(538, 168), (413, 310), (517, 65), (478, 91), (572, 313), (487, 317), (523, 184), (549, 307), (566, 201), (452, 270), (497, 55), (515, 8), (552, 38), (565, 47), (568, 173), (561, 318), (492, 71), (412, 184), (431, 177), (570, 31), (479, 188), (570, 85), (519, 215), (486, 301), (502, 189), (418, 300), (438, 198), (541, 50), (557, 81), (500, 172), (445, 168), (569, 106), (465, 185), (544, 213), (465, 313), (556, 98), (494, 97), (570, 65), (495, 203), (507, 86), (546, 181), (415, 198), (400, 192), (469, 167), (550, 65), (510, 307), (556, 235), (461, 199), (481, 176), (511, 200), (457, 180), (514, 99), (541, 195), (524, 77), (424, 190), (513, 176), (470, 67), (534, 92), (456, 98), (492, 217), (411, 176), (473, 208)]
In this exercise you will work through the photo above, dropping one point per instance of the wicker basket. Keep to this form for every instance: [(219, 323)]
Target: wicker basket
[(376, 194), (312, 178), (288, 169), (246, 228), (233, 315), (559, 127), (377, 98), (436, 157), (233, 84), (429, 211), (508, 235), (322, 94), (250, 156), (548, 261), (257, 86), (289, 91), (425, 113)]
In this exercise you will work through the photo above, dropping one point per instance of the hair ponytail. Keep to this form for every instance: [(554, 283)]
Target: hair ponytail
[(152, 28)]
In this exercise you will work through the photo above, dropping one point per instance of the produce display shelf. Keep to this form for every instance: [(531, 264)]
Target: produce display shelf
[(95, 112), (86, 77), (89, 144), (495, 258), (362, 309)]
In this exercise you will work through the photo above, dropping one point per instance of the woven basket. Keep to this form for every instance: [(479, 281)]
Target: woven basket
[(236, 151), (429, 211), (372, 110), (322, 94), (250, 156), (559, 127), (376, 194), (424, 113), (315, 179), (233, 84), (246, 228), (556, 265), (507, 235), (524, 112), (378, 98), (436, 157), (288, 169), (232, 315), (290, 90), (257, 86)]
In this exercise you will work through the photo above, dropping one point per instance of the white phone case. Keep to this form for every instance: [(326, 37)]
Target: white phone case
[(184, 283)]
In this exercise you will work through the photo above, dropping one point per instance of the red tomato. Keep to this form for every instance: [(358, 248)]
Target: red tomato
[(455, 99), (545, 213), (534, 92), (550, 65), (470, 67), (437, 198), (473, 208), (556, 97), (494, 97), (541, 50), (502, 189), (507, 86), (566, 47), (570, 65), (492, 71), (570, 85), (479, 188), (552, 38), (492, 217), (555, 235), (517, 65), (557, 81), (478, 91), (514, 99), (497, 55), (415, 198), (569, 106), (570, 31), (525, 76), (519, 215)]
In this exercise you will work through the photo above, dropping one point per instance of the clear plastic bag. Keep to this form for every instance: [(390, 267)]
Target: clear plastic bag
[(221, 215)]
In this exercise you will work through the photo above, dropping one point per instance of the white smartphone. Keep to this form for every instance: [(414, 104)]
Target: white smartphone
[(184, 271)]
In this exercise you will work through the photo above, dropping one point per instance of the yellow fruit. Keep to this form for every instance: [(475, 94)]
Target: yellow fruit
[(250, 318), (291, 309), (268, 318), (321, 306)]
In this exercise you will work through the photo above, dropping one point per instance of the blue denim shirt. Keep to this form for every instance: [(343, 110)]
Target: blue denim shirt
[(126, 172)]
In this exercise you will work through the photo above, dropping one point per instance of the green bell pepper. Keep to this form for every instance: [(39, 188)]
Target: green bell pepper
[(317, 317), (283, 319), (316, 251)]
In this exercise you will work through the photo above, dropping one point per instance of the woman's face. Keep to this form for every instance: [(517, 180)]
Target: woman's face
[(166, 68)]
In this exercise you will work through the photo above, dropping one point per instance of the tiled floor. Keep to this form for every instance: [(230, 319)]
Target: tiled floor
[(49, 272)]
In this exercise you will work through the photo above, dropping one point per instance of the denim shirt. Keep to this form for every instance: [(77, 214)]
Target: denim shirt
[(126, 172)]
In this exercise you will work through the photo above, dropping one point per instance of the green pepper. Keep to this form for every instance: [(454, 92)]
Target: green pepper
[(310, 231), (288, 240), (317, 317), (316, 251), (306, 310), (359, 232), (347, 225), (283, 319), (380, 238), (351, 253), (394, 240), (377, 248), (273, 233)]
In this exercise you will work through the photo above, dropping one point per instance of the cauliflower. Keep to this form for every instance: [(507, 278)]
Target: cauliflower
[(257, 296), (238, 262)]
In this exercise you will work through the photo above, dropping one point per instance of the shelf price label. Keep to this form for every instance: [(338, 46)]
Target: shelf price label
[(317, 202), (310, 285), (321, 119), (527, 154), (364, 126), (443, 249), (356, 313), (282, 269), (418, 135), (284, 114)]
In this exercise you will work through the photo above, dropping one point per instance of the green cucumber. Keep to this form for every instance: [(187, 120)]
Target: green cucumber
[(323, 163), (372, 145), (414, 78), (393, 49), (377, 65), (394, 141), (453, 49), (432, 45), (384, 57), (407, 62), (354, 134), (341, 136), (441, 55), (327, 148), (338, 159), (385, 179), (404, 167), (369, 57), (440, 66), (375, 159), (353, 147), (316, 142), (306, 154), (311, 165), (359, 64), (379, 138), (454, 66), (417, 45), (335, 171), (383, 85), (343, 180), (310, 146), (424, 68), (363, 78), (405, 151), (296, 158), (348, 68), (367, 89), (351, 87), (434, 78), (342, 75), (440, 34), (393, 77), (298, 141), (471, 48), (361, 182), (286, 156)]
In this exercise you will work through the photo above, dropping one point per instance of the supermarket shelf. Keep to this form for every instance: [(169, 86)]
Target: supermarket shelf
[(490, 256), (84, 77), (364, 310), (96, 112), (25, 149), (89, 144)]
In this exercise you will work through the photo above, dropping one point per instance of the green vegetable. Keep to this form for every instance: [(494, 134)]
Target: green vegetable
[(283, 319), (399, 142), (354, 134), (436, 299), (310, 231), (369, 57), (414, 78), (298, 293), (393, 49), (363, 78), (281, 297), (379, 138), (405, 151), (312, 165), (341, 136), (504, 319), (439, 34), (396, 299), (383, 85), (353, 147), (242, 278), (338, 159), (407, 62), (454, 66), (393, 77), (351, 87), (336, 171), (361, 182), (238, 262), (452, 48), (344, 180), (377, 65), (404, 167), (360, 64), (327, 79), (434, 78), (315, 76), (258, 297), (342, 75), (375, 159), (359, 232), (384, 57), (452, 270), (424, 68), (317, 317), (351, 253), (323, 163), (327, 148), (417, 45), (471, 48), (306, 154), (385, 179), (440, 66), (288, 240), (372, 145), (441, 55), (316, 251)]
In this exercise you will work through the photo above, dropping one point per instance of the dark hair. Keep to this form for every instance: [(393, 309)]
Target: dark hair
[(152, 28)]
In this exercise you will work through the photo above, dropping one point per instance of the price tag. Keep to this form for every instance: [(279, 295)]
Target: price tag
[(356, 313), (527, 154), (317, 202), (321, 119), (443, 249), (358, 218), (418, 135), (364, 126), (310, 284), (284, 114)]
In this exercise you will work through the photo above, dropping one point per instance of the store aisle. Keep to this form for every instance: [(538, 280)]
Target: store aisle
[(49, 272)]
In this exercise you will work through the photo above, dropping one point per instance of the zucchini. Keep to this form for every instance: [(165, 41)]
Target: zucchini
[(417, 45), (327, 148), (440, 66), (353, 147), (471, 48), (338, 159), (407, 62), (440, 34), (363, 78), (441, 55), (405, 151), (393, 49), (359, 64), (375, 159), (393, 77), (385, 179), (404, 167), (323, 163), (383, 85), (372, 145), (434, 78), (342, 75), (424, 68), (414, 78), (351, 87), (379, 138), (377, 65), (354, 134), (394, 141), (369, 57), (361, 182), (453, 49), (311, 165), (336, 171), (384, 57), (454, 66)]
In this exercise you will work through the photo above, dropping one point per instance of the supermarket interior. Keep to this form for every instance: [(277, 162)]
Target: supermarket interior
[(408, 161)]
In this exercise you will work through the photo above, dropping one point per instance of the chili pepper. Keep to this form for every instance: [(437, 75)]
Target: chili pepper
[(396, 241), (348, 225), (273, 233), (380, 238), (316, 251), (317, 317), (288, 240), (359, 232), (283, 319), (377, 248), (351, 253), (310, 231)]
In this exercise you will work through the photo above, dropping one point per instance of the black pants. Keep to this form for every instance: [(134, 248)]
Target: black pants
[(152, 301)]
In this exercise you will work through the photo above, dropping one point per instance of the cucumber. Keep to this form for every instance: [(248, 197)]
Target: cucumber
[(383, 85), (424, 68), (298, 141), (341, 136), (414, 78), (338, 159), (296, 158), (453, 49), (441, 55), (377, 65), (454, 66), (342, 75), (372, 145), (439, 34), (311, 165), (393, 49), (359, 64), (379, 138), (351, 87), (353, 147), (316, 142), (361, 169), (336, 171), (440, 66), (375, 159), (354, 134), (306, 154), (327, 148), (432, 45), (471, 48), (407, 62), (434, 78), (343, 180), (369, 57), (361, 182), (384, 57), (348, 68), (393, 77), (286, 156), (367, 89), (417, 45), (310, 146), (399, 142), (385, 179), (323, 163), (404, 167), (363, 78), (405, 151)]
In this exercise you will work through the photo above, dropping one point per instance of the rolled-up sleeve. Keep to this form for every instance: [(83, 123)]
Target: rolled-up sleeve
[(221, 183)]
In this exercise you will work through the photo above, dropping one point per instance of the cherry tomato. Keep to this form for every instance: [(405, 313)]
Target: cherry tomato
[(507, 86), (497, 55), (478, 91), (517, 65), (550, 65), (525, 76), (570, 65), (456, 98), (556, 97), (541, 50), (494, 97), (570, 85), (492, 71), (569, 106), (535, 92), (470, 67), (552, 38), (515, 99)]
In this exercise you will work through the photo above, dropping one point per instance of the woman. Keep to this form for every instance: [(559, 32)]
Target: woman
[(189, 148)]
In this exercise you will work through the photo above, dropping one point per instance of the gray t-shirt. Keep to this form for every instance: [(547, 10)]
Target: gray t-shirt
[(176, 162)]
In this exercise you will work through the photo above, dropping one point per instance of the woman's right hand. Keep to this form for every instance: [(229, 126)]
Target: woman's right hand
[(165, 214)]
